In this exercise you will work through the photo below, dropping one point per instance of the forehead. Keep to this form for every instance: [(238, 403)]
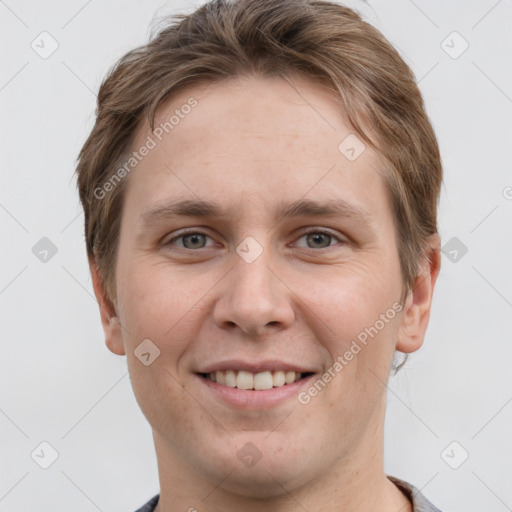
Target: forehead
[(273, 138), (252, 109)]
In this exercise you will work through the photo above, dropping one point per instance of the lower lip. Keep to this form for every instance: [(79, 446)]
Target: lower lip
[(249, 398)]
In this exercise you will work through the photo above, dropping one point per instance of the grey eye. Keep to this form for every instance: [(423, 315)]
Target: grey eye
[(319, 240), (193, 241)]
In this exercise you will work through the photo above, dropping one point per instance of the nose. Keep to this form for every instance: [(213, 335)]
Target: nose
[(254, 298)]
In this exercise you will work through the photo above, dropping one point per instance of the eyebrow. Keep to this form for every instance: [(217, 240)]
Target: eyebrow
[(300, 208)]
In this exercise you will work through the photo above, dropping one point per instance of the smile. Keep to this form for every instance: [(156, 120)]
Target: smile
[(260, 381)]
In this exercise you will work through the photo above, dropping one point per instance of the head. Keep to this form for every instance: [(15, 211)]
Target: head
[(252, 106)]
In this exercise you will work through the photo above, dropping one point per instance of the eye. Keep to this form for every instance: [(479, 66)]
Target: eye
[(317, 239), (190, 240)]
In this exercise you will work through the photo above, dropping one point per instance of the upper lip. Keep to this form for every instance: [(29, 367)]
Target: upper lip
[(254, 366)]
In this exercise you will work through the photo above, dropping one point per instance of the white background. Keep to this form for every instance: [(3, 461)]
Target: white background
[(60, 384)]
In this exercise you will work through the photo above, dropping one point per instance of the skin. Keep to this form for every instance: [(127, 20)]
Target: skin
[(249, 144)]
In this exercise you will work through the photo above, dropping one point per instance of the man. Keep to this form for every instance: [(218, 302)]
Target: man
[(260, 193)]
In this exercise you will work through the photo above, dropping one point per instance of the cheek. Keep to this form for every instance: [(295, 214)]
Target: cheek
[(347, 297), (360, 337), (157, 305), (157, 301), (355, 311)]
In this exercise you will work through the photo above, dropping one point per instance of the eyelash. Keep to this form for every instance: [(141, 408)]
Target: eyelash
[(304, 233)]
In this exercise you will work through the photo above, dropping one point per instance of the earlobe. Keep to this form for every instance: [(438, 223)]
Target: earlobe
[(108, 314), (418, 304)]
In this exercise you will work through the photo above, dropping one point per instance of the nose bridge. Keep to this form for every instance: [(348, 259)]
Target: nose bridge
[(252, 277), (253, 298)]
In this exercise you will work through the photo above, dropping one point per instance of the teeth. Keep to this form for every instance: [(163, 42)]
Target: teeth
[(244, 380), (230, 379), (257, 381), (263, 380), (289, 377), (278, 379)]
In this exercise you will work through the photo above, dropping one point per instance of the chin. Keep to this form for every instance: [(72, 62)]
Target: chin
[(260, 483), (266, 472)]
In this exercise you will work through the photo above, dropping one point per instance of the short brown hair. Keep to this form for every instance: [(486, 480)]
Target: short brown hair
[(314, 39)]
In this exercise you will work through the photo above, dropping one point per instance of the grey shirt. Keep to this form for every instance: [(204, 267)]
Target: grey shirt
[(419, 502)]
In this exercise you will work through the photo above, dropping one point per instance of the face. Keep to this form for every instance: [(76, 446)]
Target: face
[(255, 253)]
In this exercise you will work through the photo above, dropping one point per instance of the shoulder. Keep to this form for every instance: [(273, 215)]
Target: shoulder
[(419, 502), (150, 505)]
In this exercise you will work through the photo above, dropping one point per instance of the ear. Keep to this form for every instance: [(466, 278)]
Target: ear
[(109, 320), (417, 307)]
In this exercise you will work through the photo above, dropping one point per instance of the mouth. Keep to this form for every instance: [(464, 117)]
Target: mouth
[(246, 384), (260, 381)]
